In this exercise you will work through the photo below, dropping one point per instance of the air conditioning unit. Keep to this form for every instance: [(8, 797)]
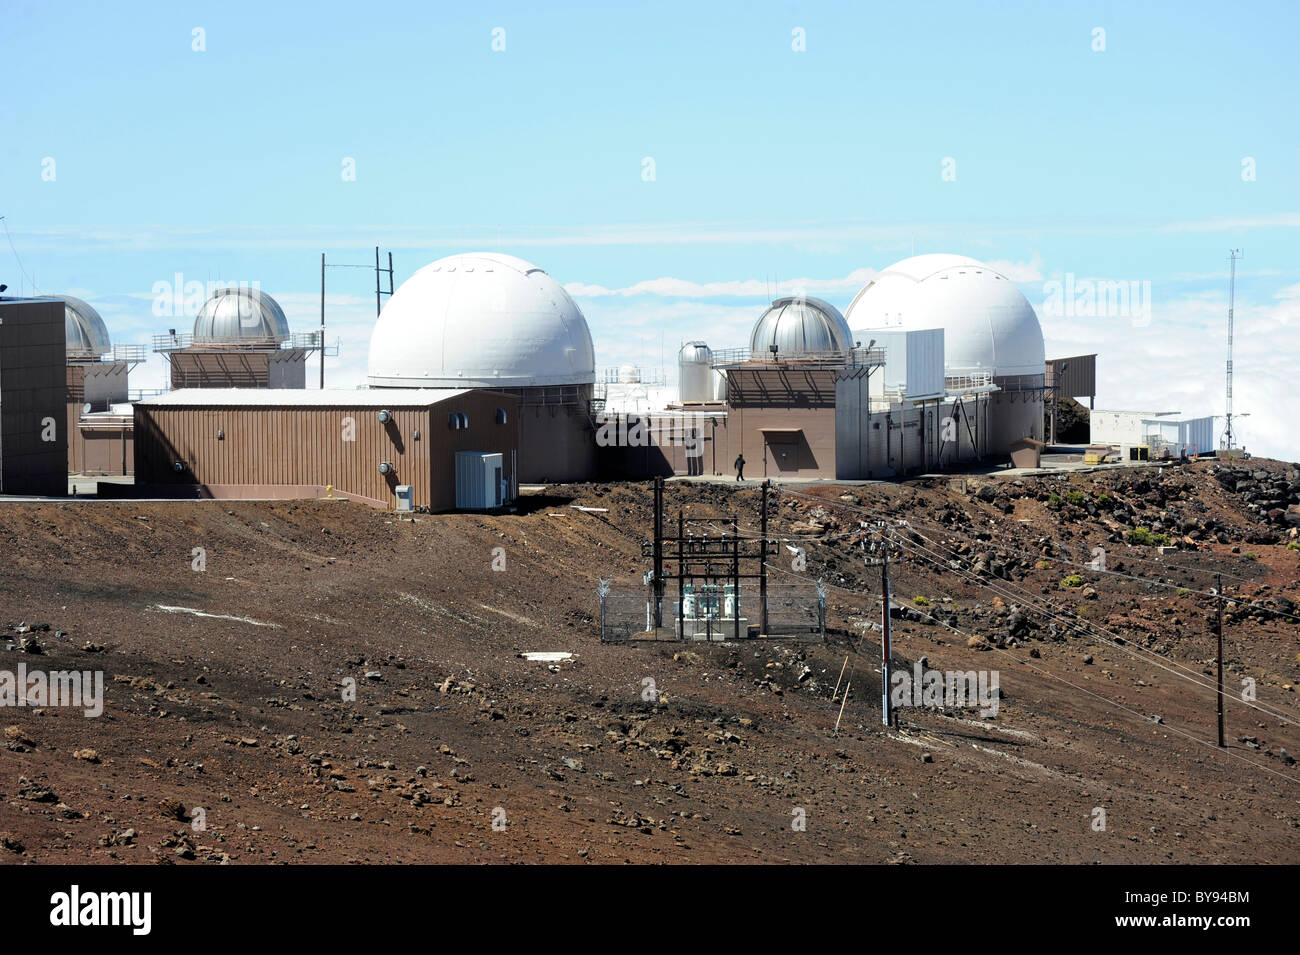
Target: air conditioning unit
[(480, 481)]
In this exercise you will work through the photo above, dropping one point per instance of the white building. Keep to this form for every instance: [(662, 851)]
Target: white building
[(991, 334), (1160, 433)]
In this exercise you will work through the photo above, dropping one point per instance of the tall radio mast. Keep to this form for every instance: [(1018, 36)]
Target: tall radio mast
[(1229, 440)]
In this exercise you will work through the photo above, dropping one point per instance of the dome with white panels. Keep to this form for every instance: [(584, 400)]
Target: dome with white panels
[(988, 323), (481, 320)]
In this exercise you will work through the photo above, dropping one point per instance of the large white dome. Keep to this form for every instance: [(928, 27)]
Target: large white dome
[(988, 323), (481, 319)]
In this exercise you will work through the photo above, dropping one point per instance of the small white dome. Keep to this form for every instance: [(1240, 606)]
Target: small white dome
[(481, 319), (988, 323), (629, 373), (798, 325), (85, 333), (241, 314)]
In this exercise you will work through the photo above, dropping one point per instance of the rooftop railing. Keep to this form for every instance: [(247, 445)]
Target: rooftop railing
[(133, 353), (972, 379), (653, 378), (305, 340), (127, 353), (734, 357)]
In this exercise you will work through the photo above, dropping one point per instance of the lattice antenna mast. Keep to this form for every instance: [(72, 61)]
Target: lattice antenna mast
[(1229, 439)]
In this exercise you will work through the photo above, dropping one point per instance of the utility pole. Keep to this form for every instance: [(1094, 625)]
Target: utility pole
[(880, 542), (1229, 439), (1218, 592), (886, 642), (659, 554), (682, 549), (762, 579), (735, 578), (322, 320)]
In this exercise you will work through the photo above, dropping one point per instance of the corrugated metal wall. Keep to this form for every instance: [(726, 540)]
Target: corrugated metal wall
[(1078, 380), (275, 447), (1198, 435)]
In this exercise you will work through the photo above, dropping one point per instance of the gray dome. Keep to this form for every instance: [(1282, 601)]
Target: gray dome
[(241, 314), (84, 330), (799, 325)]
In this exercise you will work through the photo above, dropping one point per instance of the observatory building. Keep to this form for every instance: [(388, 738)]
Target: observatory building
[(989, 331), (482, 376), (99, 421), (946, 366), (486, 320), (241, 339)]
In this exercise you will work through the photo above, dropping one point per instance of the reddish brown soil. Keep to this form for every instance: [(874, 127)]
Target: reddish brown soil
[(249, 722)]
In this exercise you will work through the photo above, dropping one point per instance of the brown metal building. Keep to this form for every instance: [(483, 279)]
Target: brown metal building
[(291, 443), (33, 388), (237, 364), (803, 418), (100, 436), (100, 442)]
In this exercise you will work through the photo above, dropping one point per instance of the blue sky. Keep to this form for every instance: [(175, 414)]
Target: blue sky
[(809, 166)]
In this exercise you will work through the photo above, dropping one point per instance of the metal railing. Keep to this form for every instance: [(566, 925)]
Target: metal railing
[(654, 377), (133, 353), (1020, 382), (309, 341), (115, 353), (550, 395), (732, 357), (968, 380), (306, 340)]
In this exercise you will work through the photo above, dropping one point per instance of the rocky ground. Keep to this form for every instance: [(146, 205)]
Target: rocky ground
[(322, 682)]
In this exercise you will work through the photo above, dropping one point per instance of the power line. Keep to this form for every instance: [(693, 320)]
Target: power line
[(1096, 632), (1121, 706), (1051, 676), (1086, 628), (31, 281), (1169, 585)]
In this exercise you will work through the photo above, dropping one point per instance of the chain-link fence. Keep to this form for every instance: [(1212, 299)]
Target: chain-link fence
[(710, 611)]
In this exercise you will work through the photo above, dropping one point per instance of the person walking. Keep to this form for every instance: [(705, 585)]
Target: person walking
[(740, 467)]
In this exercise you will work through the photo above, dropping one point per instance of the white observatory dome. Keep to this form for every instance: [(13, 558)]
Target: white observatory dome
[(481, 319), (987, 322), (84, 331), (799, 325), (241, 314)]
